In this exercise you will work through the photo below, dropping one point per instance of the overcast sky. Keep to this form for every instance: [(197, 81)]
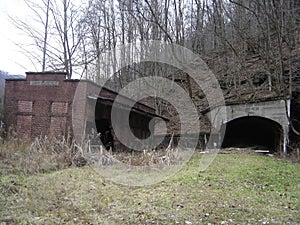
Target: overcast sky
[(11, 59)]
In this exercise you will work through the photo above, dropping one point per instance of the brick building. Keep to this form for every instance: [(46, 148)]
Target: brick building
[(42, 104)]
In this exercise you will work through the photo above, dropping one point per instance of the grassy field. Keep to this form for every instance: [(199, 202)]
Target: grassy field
[(235, 189)]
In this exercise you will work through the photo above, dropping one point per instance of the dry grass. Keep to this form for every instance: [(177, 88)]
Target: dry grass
[(45, 155), (98, 156), (38, 186), (42, 155), (149, 158), (236, 189)]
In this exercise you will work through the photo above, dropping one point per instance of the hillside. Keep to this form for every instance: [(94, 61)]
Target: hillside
[(248, 81)]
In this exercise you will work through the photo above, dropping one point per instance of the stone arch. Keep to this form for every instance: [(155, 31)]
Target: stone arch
[(254, 131)]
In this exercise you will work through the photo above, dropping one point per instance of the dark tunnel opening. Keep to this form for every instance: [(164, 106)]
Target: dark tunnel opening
[(253, 132), (104, 128)]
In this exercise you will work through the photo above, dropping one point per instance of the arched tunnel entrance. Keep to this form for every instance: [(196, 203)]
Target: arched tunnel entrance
[(254, 132)]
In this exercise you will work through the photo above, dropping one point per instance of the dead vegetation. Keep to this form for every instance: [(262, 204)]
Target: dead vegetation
[(50, 154), (39, 184), (97, 155), (45, 154), (168, 156), (42, 155)]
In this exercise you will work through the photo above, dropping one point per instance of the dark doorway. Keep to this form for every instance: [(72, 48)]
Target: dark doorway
[(104, 128), (254, 132)]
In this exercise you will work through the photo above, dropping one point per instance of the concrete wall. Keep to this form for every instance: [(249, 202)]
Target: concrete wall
[(295, 118), (274, 110)]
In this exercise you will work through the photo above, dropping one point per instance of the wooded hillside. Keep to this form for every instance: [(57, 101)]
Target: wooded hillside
[(252, 47), (246, 43)]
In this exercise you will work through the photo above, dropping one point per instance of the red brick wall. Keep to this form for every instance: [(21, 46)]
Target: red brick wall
[(58, 126), (59, 107), (25, 106), (40, 105), (24, 124)]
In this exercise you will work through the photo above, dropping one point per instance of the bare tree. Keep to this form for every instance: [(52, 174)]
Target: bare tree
[(39, 39), (53, 26), (66, 16)]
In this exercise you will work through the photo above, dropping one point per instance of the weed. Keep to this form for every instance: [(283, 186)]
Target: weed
[(42, 155)]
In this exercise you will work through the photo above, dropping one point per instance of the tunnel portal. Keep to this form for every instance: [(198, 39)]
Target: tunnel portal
[(254, 132)]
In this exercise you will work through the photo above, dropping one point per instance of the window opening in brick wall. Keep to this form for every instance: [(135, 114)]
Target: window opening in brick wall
[(58, 126), (25, 106), (59, 107), (24, 126)]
